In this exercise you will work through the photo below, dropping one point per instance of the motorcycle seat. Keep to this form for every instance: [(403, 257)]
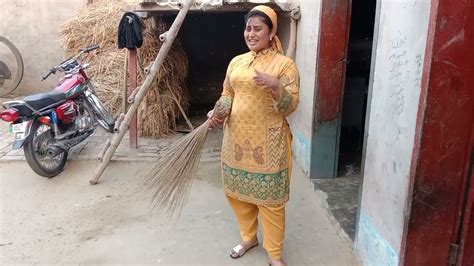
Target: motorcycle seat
[(41, 100)]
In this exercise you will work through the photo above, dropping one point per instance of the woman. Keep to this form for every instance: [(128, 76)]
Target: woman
[(260, 90)]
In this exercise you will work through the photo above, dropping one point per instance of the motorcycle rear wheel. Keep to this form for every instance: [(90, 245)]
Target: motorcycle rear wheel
[(35, 152)]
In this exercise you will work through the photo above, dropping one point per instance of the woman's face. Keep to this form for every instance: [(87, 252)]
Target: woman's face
[(257, 34)]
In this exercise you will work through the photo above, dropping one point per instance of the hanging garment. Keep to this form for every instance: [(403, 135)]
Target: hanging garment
[(130, 31)]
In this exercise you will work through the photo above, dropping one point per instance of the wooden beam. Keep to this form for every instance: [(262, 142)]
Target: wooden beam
[(154, 8)]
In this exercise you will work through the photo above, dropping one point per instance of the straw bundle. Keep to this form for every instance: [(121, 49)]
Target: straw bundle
[(169, 180), (97, 23), (158, 112)]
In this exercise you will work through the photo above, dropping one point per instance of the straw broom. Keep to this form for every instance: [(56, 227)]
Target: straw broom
[(169, 180)]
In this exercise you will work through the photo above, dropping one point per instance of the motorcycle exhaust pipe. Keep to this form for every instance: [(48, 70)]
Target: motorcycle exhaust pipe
[(59, 147), (53, 151)]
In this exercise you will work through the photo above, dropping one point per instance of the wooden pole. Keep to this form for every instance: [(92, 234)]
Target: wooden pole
[(132, 70), (190, 125), (170, 36), (125, 86)]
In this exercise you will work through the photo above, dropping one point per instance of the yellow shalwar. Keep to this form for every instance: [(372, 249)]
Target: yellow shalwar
[(256, 148)]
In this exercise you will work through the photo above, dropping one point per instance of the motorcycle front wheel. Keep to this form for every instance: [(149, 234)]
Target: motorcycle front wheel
[(103, 117), (41, 136)]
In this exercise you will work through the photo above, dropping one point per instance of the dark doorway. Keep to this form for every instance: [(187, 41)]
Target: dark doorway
[(356, 87), (210, 41), (343, 192)]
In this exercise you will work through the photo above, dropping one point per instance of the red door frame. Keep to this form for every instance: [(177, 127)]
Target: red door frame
[(466, 254), (330, 78), (443, 143)]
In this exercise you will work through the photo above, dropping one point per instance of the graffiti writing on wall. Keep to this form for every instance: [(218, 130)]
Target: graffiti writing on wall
[(404, 74)]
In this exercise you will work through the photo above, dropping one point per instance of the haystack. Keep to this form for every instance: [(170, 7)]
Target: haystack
[(97, 23)]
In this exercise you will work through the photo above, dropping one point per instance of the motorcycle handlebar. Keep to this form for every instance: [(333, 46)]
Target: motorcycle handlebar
[(51, 71), (83, 50), (45, 77)]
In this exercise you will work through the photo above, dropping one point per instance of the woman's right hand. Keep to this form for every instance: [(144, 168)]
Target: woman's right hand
[(215, 122)]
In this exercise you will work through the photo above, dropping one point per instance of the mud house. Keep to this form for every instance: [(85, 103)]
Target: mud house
[(386, 98)]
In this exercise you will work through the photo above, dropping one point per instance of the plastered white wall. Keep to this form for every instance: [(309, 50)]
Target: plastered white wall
[(395, 91), (306, 58), (33, 25)]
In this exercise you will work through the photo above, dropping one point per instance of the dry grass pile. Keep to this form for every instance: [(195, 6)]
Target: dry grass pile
[(97, 23)]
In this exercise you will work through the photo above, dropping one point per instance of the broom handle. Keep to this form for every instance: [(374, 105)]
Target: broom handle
[(170, 36)]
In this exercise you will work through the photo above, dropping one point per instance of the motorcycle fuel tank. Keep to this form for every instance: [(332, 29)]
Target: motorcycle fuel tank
[(69, 82)]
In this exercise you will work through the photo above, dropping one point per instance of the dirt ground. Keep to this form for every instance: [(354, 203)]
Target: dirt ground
[(66, 220)]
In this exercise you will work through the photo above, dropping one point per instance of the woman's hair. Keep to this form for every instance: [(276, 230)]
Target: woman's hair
[(257, 13)]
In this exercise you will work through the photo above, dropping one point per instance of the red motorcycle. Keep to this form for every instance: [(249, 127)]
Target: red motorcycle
[(47, 125)]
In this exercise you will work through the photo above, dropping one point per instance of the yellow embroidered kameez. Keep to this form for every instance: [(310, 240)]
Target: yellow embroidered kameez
[(256, 148)]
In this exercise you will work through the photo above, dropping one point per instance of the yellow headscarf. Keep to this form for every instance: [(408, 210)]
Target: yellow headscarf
[(275, 42)]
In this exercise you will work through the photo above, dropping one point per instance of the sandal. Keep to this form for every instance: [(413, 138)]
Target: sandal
[(238, 251)]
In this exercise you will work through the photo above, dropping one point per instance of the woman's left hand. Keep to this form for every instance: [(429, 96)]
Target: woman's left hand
[(268, 81)]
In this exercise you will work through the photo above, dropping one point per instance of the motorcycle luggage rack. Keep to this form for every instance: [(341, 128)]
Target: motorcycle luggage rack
[(8, 104), (41, 111)]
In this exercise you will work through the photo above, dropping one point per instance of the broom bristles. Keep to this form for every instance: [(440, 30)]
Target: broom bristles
[(169, 181)]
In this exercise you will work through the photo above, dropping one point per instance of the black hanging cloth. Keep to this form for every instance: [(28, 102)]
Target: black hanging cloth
[(130, 31)]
